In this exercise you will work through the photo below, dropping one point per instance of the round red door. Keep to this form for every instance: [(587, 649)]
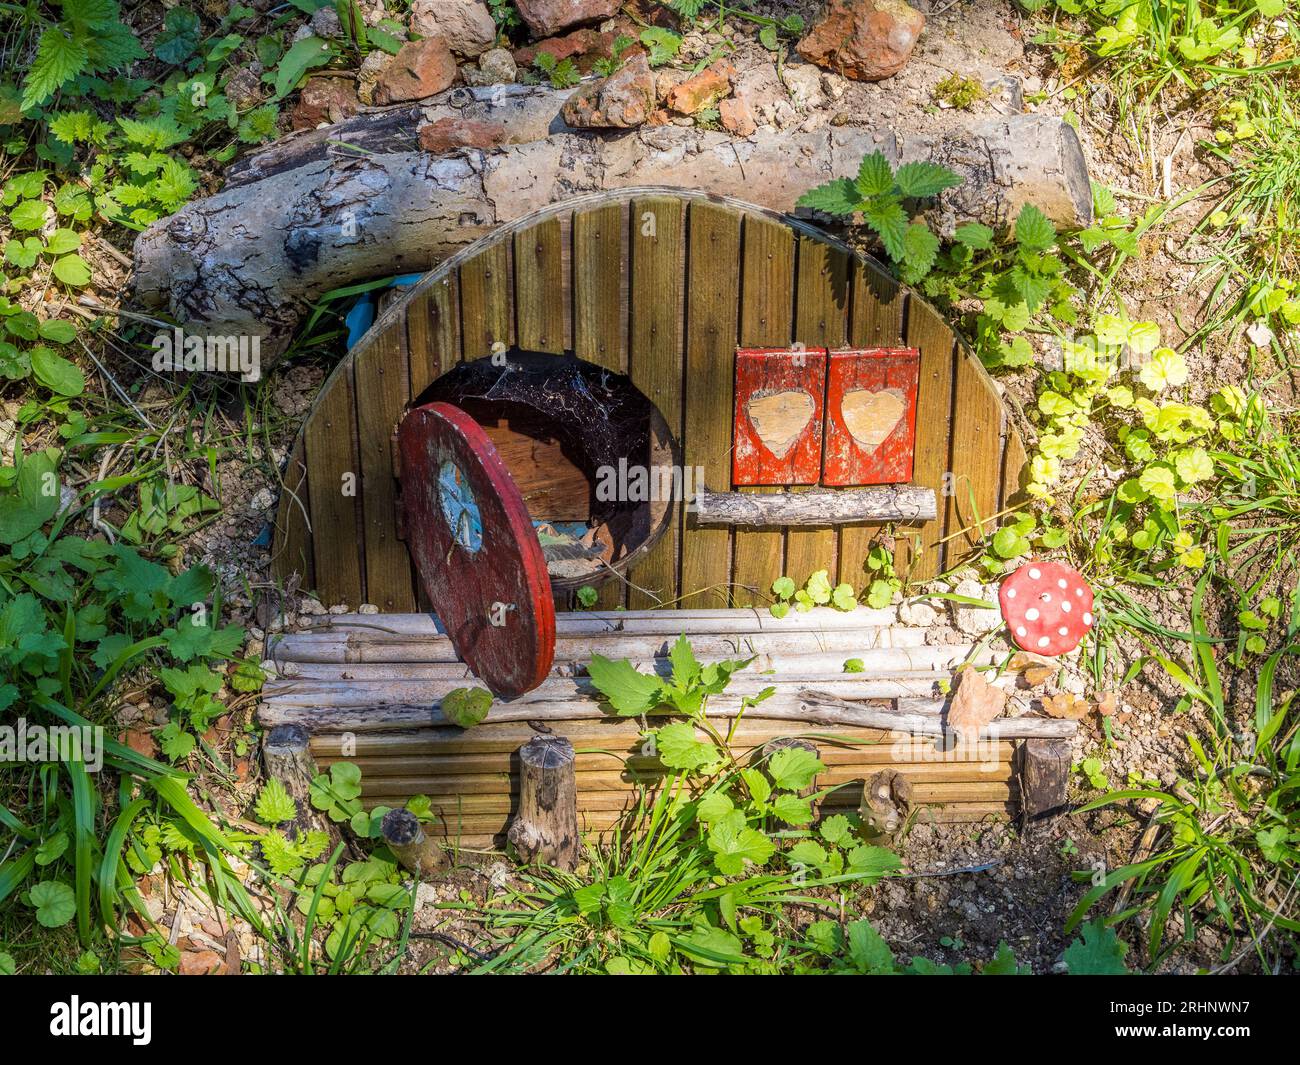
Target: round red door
[(475, 549)]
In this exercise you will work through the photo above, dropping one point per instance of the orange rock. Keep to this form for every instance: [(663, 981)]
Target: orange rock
[(863, 39), (736, 117), (450, 134), (621, 101), (702, 91), (325, 100), (420, 69), (201, 963)]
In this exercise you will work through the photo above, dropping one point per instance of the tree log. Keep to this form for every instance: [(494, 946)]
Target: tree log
[(414, 851), (250, 260), (546, 828), (286, 757), (880, 503), (1044, 775)]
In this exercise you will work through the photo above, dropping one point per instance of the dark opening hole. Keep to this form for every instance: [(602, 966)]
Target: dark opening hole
[(573, 436)]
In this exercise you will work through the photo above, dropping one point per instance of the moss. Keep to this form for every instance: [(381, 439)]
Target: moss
[(956, 91)]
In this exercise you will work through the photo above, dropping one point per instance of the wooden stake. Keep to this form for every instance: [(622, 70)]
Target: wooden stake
[(546, 828), (286, 757), (415, 851), (1044, 775)]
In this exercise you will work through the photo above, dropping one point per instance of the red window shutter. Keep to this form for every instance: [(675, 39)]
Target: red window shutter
[(871, 416), (780, 396)]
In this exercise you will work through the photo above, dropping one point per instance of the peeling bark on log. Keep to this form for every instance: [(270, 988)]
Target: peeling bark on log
[(251, 259), (546, 829), (1044, 775), (842, 507)]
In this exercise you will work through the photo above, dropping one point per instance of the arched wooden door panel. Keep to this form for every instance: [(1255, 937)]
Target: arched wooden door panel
[(662, 285)]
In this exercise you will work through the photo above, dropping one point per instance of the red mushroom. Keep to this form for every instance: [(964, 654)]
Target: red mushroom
[(1047, 607)]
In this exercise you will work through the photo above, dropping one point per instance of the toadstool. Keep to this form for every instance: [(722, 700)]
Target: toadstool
[(1047, 607)]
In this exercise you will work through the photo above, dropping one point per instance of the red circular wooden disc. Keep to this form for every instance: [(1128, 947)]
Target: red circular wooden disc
[(475, 549)]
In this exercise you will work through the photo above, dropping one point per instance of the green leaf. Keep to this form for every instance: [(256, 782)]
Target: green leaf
[(466, 707), (921, 179), (59, 58), (887, 217), (56, 373), (630, 693), (854, 665), (874, 176), (868, 951), (920, 249), (23, 253), (843, 597), (179, 37), (734, 843), (783, 587), (30, 214), (975, 236), (792, 809), (35, 501), (662, 43), (680, 749), (793, 768), (305, 55), (54, 902), (838, 197), (1034, 232), (873, 861), (57, 331), (1098, 952), (72, 270), (686, 669), (274, 804)]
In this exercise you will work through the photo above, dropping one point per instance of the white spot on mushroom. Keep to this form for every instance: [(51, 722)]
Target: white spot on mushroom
[(1047, 598), (1078, 591), (1087, 619), (1031, 614), (1061, 583), (1065, 605), (1011, 593), (1043, 641), (1063, 631), (1035, 573), (1020, 630)]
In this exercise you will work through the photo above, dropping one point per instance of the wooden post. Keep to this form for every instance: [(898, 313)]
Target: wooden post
[(416, 852), (1044, 775), (546, 829), (886, 797), (286, 757)]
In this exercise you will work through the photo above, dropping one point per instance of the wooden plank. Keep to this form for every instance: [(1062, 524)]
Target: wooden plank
[(927, 331), (335, 500), (382, 392), (291, 548), (539, 287), (432, 333), (485, 313), (599, 313), (766, 320), (779, 397), (976, 457), (655, 363), (599, 265), (713, 297), (875, 320), (821, 321), (1015, 471)]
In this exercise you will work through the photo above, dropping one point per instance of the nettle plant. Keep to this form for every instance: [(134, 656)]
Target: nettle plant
[(886, 199)]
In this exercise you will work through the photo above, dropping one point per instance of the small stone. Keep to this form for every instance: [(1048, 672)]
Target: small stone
[(325, 100), (863, 39), (621, 101), (367, 608), (451, 134), (325, 22), (702, 91), (972, 620), (547, 17), (201, 963), (310, 606), (368, 75), (420, 69), (737, 118), (262, 500), (339, 608), (244, 86), (466, 25), (499, 66), (920, 614)]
